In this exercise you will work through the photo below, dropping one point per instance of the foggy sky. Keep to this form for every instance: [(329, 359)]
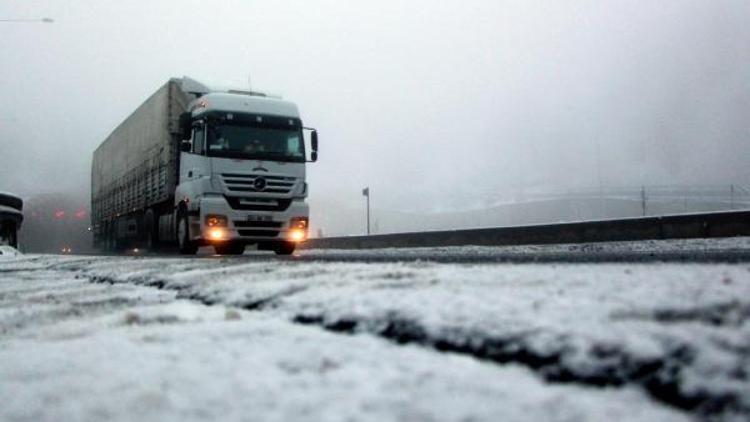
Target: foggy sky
[(420, 100)]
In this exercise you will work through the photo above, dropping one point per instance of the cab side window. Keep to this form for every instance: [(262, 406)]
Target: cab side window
[(199, 139)]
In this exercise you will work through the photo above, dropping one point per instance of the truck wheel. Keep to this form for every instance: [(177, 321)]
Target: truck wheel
[(284, 248), (150, 231), (186, 246), (230, 248), (110, 240), (117, 244)]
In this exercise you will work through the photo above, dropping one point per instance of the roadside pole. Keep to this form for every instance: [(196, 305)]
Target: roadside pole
[(366, 193)]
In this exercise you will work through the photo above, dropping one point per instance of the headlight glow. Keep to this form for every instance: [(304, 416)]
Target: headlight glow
[(216, 234), (297, 235)]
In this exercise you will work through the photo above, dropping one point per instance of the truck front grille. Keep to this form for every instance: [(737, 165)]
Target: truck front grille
[(236, 182), (258, 204), (258, 228), (257, 224), (258, 233)]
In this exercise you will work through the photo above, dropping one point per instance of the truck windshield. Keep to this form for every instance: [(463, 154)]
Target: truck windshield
[(260, 143)]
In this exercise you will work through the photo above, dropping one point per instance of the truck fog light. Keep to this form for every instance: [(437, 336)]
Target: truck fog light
[(216, 233), (297, 235), (214, 220)]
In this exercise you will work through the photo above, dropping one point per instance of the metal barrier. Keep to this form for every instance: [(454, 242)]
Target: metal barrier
[(683, 226)]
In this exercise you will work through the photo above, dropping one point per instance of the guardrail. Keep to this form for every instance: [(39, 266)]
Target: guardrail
[(683, 226)]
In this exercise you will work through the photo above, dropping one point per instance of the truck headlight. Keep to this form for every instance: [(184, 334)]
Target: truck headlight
[(213, 220), (297, 235), (298, 223), (298, 229), (216, 233)]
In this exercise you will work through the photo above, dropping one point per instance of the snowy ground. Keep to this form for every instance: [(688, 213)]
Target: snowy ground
[(697, 245), (668, 245), (124, 338), (735, 249)]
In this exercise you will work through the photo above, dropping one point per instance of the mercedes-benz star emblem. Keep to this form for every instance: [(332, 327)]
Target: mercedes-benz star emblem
[(259, 183)]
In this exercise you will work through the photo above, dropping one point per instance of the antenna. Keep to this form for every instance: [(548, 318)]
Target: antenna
[(249, 82)]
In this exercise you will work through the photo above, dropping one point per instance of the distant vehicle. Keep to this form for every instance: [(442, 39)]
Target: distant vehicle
[(11, 216), (196, 167), (54, 221)]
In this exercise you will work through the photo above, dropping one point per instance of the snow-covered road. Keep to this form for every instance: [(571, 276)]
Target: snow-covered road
[(124, 338)]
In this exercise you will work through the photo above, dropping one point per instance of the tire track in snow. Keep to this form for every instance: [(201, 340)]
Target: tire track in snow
[(613, 366)]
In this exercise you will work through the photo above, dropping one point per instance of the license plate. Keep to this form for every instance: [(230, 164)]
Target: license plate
[(258, 217)]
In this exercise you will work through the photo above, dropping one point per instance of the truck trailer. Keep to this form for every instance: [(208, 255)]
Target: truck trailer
[(193, 167)]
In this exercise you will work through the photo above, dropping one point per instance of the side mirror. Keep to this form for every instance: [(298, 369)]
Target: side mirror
[(314, 140), (186, 146), (314, 156), (185, 124)]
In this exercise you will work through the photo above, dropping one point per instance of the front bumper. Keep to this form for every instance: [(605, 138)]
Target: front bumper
[(245, 226)]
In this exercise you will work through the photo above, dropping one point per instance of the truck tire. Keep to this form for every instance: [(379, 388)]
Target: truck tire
[(150, 231), (109, 240), (230, 248), (284, 248), (116, 245), (184, 244)]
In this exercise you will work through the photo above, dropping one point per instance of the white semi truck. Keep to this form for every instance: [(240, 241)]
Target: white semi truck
[(195, 167)]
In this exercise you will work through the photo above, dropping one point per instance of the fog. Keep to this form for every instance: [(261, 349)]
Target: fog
[(422, 101)]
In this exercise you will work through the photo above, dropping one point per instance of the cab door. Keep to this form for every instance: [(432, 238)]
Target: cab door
[(194, 165)]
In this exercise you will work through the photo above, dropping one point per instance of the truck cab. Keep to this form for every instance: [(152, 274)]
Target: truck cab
[(241, 174)]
